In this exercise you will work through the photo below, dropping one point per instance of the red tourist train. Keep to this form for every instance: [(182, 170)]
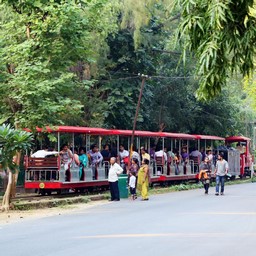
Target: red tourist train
[(48, 174)]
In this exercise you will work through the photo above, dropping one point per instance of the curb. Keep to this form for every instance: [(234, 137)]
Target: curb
[(56, 202)]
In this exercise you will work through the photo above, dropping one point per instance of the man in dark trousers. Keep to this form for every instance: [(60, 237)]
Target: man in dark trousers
[(114, 170)]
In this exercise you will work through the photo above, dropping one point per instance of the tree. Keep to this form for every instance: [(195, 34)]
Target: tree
[(12, 143), (221, 35), (40, 44)]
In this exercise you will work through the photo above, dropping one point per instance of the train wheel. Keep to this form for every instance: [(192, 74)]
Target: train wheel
[(42, 192), (49, 192)]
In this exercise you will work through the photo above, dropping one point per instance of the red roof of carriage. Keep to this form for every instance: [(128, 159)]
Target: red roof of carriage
[(237, 138), (101, 131), (182, 136), (75, 129), (136, 133), (208, 137)]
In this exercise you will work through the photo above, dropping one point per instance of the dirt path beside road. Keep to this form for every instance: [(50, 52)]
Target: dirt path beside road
[(19, 216)]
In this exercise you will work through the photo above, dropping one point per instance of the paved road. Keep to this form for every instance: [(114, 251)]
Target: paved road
[(183, 223)]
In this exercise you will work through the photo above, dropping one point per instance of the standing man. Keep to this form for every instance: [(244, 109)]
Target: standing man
[(114, 170), (221, 170)]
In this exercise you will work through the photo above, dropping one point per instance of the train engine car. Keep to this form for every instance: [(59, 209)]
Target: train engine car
[(242, 145)]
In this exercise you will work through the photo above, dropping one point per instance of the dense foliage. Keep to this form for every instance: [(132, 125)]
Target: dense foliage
[(77, 63), (222, 35)]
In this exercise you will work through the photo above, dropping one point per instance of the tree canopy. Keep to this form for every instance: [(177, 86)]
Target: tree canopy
[(77, 63), (221, 35)]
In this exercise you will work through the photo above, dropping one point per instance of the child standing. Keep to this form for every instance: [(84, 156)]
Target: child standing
[(132, 185)]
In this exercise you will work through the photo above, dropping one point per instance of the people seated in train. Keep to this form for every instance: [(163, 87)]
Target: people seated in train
[(66, 158), (42, 153), (83, 159), (95, 158), (152, 152), (176, 161), (123, 157), (202, 151), (160, 153), (210, 156), (184, 155), (106, 152), (240, 148), (196, 153), (135, 154), (161, 159), (113, 151), (144, 154), (170, 155), (76, 158)]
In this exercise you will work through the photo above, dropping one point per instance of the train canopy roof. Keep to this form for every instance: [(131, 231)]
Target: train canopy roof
[(182, 136), (208, 137), (101, 131), (237, 139), (75, 129), (136, 133)]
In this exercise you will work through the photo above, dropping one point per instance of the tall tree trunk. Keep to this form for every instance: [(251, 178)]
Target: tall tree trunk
[(7, 195), (10, 191)]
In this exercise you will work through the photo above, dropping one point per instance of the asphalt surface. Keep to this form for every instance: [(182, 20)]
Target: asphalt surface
[(180, 223)]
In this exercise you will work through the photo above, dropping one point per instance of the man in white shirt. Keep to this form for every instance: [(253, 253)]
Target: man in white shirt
[(114, 170), (123, 157), (161, 153), (43, 153)]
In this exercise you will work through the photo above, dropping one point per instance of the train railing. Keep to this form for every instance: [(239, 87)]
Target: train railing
[(50, 169)]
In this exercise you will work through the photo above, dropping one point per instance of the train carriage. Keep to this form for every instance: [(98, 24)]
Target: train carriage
[(48, 174), (244, 158)]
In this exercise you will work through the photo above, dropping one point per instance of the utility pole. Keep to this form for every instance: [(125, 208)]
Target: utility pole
[(144, 77)]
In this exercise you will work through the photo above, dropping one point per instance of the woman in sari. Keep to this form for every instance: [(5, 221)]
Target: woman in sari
[(143, 179)]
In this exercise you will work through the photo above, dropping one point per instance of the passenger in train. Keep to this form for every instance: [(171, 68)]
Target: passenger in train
[(113, 151), (160, 153), (221, 170), (144, 154), (135, 154), (176, 161), (210, 156), (114, 170), (95, 157), (123, 157), (202, 151), (240, 148), (76, 158), (42, 153), (184, 159), (196, 153), (205, 174), (152, 152), (66, 156), (66, 160), (106, 152), (83, 158), (143, 179), (184, 154)]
